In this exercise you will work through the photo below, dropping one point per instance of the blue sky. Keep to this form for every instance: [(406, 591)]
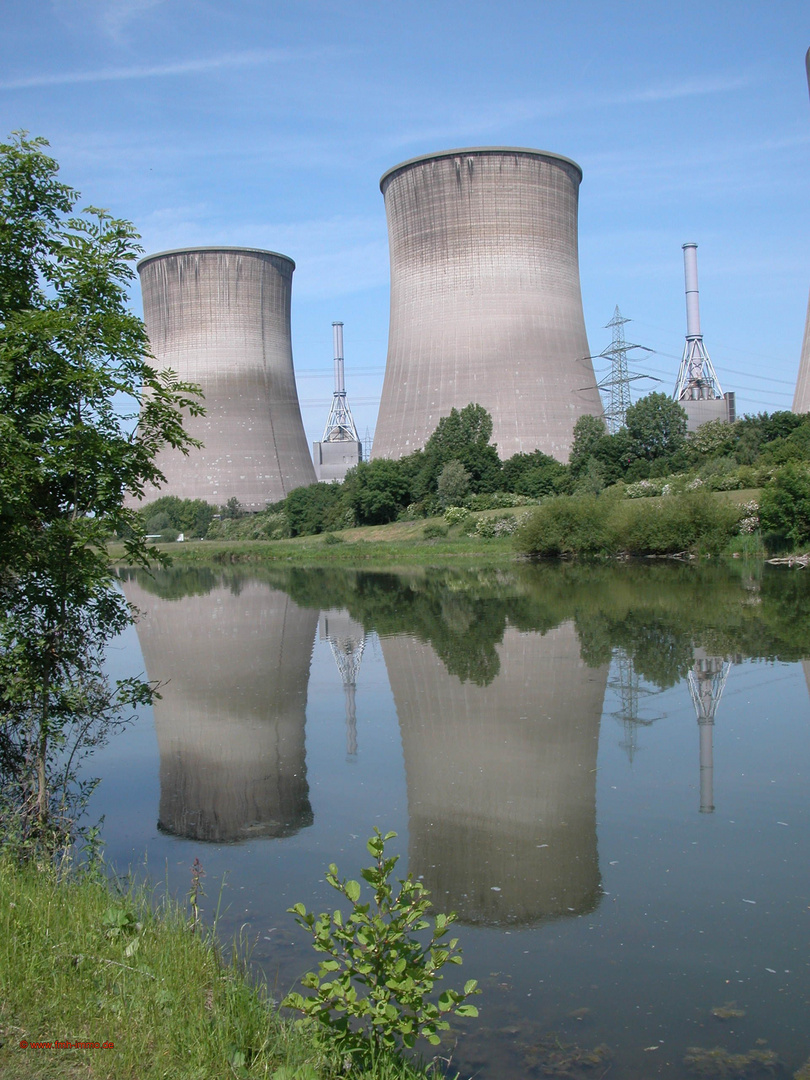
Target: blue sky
[(269, 124)]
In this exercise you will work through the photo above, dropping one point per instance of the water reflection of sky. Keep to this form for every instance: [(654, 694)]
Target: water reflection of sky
[(695, 910)]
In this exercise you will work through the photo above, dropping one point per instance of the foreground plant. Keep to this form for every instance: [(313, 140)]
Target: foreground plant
[(373, 992)]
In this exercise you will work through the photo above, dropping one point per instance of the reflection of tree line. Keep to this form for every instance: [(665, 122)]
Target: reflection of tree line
[(656, 612)]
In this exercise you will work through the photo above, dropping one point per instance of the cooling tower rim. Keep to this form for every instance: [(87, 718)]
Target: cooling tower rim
[(525, 150), (206, 248)]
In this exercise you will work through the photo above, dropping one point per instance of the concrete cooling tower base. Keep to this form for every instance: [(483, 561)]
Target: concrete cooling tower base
[(220, 318), (485, 300)]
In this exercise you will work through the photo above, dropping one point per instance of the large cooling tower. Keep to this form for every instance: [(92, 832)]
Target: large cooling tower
[(801, 400), (234, 669), (220, 317), (502, 778), (485, 299)]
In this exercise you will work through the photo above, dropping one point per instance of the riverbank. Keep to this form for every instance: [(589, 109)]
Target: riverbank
[(606, 527), (97, 982), (425, 542)]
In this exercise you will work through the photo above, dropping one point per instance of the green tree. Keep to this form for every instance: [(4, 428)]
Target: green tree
[(453, 484), (784, 508), (656, 426), (313, 509), (462, 436), (189, 516), (376, 491), (588, 430), (71, 355), (534, 475)]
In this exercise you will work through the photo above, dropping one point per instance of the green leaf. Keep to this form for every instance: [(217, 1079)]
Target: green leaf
[(352, 889)]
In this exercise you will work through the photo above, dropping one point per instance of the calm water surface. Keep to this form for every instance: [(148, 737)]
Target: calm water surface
[(603, 770)]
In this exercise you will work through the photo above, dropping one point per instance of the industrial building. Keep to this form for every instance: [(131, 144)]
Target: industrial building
[(485, 299), (697, 389), (340, 449), (801, 399), (220, 317)]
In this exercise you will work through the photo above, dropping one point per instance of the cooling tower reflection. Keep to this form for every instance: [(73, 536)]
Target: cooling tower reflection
[(230, 722), (502, 778)]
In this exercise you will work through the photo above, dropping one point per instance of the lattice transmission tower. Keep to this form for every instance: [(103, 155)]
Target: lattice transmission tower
[(616, 385)]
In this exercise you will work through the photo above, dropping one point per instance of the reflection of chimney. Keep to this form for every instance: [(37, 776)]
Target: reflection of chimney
[(230, 723), (707, 679), (347, 640), (502, 778)]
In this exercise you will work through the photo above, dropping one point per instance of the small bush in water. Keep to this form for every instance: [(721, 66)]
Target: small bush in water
[(372, 992)]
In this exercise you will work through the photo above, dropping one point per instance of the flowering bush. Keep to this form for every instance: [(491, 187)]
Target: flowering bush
[(501, 526), (749, 521), (456, 515)]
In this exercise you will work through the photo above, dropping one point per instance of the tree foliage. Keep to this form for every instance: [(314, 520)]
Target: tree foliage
[(656, 426), (453, 484), (784, 507), (82, 416), (374, 492)]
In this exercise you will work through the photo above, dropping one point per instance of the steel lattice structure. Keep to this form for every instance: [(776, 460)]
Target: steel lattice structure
[(617, 384)]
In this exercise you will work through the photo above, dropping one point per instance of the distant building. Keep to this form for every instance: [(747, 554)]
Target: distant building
[(486, 304), (340, 449), (697, 390), (220, 317)]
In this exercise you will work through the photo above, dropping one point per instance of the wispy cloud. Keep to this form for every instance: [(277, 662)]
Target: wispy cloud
[(251, 57), (505, 114), (112, 17)]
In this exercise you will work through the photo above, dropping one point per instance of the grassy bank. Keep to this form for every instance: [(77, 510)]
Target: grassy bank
[(83, 961), (400, 543), (607, 525)]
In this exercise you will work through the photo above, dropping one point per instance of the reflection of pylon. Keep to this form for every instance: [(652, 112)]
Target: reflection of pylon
[(627, 685), (707, 680), (348, 652)]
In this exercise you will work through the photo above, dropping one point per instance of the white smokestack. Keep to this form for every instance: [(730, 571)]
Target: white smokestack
[(692, 299)]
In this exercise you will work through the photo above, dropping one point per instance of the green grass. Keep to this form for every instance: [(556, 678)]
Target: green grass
[(400, 543), (82, 960), (636, 527)]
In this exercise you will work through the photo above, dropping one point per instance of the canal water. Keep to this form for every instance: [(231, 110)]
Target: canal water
[(605, 771)]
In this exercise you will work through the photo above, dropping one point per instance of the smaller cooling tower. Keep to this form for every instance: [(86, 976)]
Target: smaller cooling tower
[(801, 399), (220, 317), (485, 299)]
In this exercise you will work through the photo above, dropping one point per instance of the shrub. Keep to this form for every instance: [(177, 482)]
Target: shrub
[(434, 531), (456, 515), (505, 525), (693, 521), (785, 508), (566, 525), (372, 993), (498, 500)]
